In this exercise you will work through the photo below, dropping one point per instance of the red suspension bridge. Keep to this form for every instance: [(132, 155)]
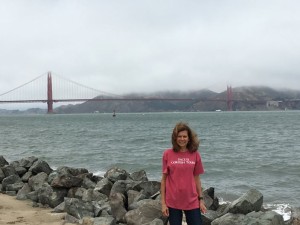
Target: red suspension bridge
[(53, 89)]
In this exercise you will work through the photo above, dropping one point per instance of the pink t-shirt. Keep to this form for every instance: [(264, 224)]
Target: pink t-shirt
[(181, 167)]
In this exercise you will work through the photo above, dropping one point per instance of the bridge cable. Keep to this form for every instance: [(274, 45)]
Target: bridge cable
[(22, 85)]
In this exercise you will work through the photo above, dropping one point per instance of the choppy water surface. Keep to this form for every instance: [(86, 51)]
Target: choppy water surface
[(240, 150)]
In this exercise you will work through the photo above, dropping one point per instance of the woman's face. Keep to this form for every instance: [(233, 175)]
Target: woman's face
[(183, 139)]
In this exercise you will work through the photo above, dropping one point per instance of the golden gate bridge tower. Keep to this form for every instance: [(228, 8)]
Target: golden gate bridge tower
[(229, 98), (49, 94)]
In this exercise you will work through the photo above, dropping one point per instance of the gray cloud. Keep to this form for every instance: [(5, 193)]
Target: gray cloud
[(144, 46)]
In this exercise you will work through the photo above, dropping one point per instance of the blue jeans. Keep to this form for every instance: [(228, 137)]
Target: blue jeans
[(193, 216)]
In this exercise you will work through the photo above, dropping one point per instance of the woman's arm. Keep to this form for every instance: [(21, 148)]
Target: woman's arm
[(164, 208), (200, 194)]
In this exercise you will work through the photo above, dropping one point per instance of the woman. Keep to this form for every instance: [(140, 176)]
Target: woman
[(180, 185)]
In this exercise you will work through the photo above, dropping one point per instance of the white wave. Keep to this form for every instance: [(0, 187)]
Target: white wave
[(99, 173), (282, 209)]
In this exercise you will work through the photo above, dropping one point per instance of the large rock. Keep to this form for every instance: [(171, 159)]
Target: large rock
[(20, 170), (2, 175), (27, 162), (3, 161), (92, 195), (115, 174), (79, 208), (87, 182), (253, 218), (15, 187), (144, 214), (211, 201), (76, 192), (10, 180), (37, 181), (104, 186), (22, 193), (71, 170), (139, 176), (51, 196), (40, 166), (9, 170), (108, 220), (295, 216), (252, 200), (66, 181), (26, 176), (117, 204), (155, 222), (209, 216), (148, 188), (133, 198), (122, 186)]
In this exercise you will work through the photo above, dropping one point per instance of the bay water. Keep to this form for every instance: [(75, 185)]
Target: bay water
[(240, 150)]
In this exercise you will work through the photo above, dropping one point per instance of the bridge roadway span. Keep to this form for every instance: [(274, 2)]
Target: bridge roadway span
[(122, 99), (136, 99)]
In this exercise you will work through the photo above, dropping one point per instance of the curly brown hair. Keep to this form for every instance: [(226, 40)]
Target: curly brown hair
[(193, 143)]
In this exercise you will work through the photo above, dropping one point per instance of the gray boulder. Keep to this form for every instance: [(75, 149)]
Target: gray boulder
[(26, 176), (66, 181), (15, 186), (107, 220), (10, 180), (3, 161), (139, 176), (37, 181), (51, 196), (9, 170), (27, 162), (115, 174), (146, 213), (22, 193), (117, 204), (93, 195), (79, 208), (209, 216), (148, 188), (253, 218), (295, 216), (88, 183), (104, 186), (155, 222), (211, 201), (122, 186), (76, 192), (40, 166), (33, 196), (20, 170), (2, 175), (133, 198), (252, 200), (72, 171)]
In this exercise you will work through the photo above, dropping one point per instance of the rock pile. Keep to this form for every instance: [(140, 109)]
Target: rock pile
[(117, 198)]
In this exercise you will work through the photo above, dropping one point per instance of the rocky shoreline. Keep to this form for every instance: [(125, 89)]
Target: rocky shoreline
[(119, 197)]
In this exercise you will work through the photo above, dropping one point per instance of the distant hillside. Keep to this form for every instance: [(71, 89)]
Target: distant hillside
[(244, 99), (28, 111)]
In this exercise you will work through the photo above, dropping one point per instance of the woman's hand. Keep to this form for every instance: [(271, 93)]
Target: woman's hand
[(202, 207), (165, 210)]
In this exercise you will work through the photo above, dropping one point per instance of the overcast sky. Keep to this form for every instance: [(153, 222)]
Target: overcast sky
[(130, 46)]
